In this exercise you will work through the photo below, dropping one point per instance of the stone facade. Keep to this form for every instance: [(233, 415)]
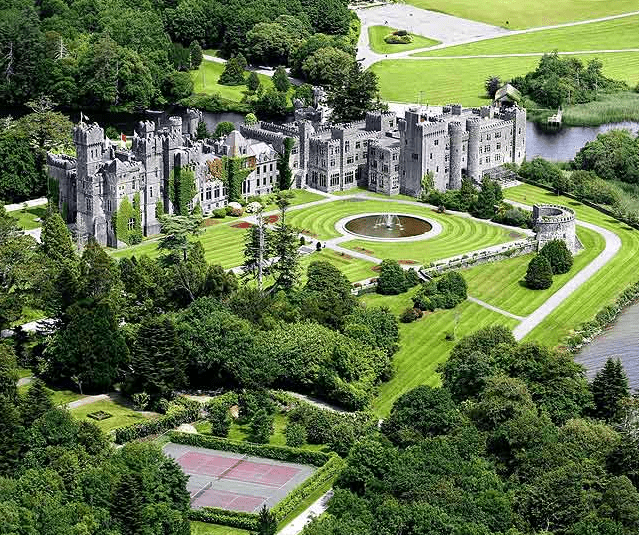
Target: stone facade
[(93, 184), (554, 222), (390, 155)]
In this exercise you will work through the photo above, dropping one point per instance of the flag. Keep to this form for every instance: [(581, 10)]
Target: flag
[(122, 137)]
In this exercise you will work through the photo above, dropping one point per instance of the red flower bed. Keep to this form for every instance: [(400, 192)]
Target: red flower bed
[(272, 219), (407, 262), (241, 224)]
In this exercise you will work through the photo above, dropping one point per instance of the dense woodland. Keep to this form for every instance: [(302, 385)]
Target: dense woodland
[(124, 54)]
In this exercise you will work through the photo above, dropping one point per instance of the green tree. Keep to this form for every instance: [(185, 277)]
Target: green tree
[(558, 255), (56, 240), (177, 230), (271, 103), (189, 277), (266, 523), (202, 132), (157, 361), (233, 73), (540, 170), (353, 94), (539, 273), (325, 66), (285, 174), (285, 249), (128, 504), (295, 435), (613, 155), (219, 283), (280, 80), (223, 129), (253, 82), (8, 373), (257, 250), (36, 403), (492, 84), (391, 280), (10, 437), (261, 427), (488, 198), (250, 118), (195, 51), (609, 390), (220, 420), (99, 275), (503, 399), (177, 85)]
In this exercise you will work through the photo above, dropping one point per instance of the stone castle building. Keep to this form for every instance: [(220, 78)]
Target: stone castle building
[(382, 153), (555, 222), (390, 155), (93, 184)]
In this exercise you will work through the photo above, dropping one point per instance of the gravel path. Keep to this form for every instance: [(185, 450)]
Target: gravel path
[(613, 244), (493, 308), (316, 509), (87, 400)]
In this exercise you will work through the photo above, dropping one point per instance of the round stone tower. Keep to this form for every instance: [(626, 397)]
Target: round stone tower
[(554, 222), (455, 131), (473, 127)]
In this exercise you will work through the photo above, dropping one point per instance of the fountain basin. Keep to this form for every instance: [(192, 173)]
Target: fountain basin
[(390, 227)]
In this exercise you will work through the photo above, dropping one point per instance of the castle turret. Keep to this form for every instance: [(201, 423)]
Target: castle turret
[(88, 140), (193, 118), (473, 127), (455, 130)]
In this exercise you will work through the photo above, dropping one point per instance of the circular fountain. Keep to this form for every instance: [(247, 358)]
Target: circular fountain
[(389, 227)]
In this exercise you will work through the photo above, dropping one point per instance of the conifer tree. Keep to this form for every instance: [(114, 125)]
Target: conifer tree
[(609, 389), (267, 523), (202, 131), (195, 53), (56, 240), (36, 403), (539, 273), (8, 373), (127, 506), (280, 80), (286, 249), (10, 436), (253, 81)]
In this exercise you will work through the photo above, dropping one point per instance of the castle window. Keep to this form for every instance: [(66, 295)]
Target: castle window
[(347, 146), (415, 156), (437, 169), (257, 170), (151, 191), (497, 157), (431, 155), (487, 159), (394, 156), (481, 161), (480, 149), (497, 135), (397, 168), (498, 146), (208, 194), (385, 168), (436, 142), (131, 224), (487, 137), (349, 177), (332, 163), (357, 144), (270, 167), (89, 201), (349, 159)]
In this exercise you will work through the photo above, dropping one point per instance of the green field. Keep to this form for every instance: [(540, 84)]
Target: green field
[(609, 35), (121, 414), (423, 344), (354, 269), (205, 82), (58, 397), (603, 287), (376, 36), (501, 284), (443, 81), (202, 528), (27, 218), (514, 15)]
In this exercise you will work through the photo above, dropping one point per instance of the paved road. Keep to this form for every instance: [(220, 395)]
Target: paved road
[(613, 244), (493, 308), (316, 509), (448, 29), (523, 54), (20, 205)]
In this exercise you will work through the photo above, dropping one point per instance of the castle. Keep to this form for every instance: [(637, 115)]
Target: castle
[(382, 153)]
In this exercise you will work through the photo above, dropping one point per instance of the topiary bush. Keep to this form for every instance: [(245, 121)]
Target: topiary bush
[(295, 435), (558, 255), (219, 213), (539, 273)]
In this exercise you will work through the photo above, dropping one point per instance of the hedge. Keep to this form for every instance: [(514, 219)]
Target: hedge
[(279, 453), (234, 519), (186, 411)]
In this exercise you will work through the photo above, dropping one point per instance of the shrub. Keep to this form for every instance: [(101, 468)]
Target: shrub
[(410, 314), (295, 435), (412, 278), (302, 240), (445, 292), (261, 427), (253, 207), (558, 255), (401, 33), (391, 280), (318, 246), (220, 420), (252, 402), (141, 401), (219, 213), (539, 273)]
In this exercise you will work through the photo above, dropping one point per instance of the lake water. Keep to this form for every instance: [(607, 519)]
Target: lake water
[(621, 340), (561, 145)]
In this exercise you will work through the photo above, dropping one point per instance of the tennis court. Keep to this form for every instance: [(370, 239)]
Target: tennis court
[(235, 481)]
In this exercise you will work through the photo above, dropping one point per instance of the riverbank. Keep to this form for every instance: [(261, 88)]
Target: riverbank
[(608, 108)]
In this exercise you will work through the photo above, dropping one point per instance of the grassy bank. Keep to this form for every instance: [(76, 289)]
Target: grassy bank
[(31, 217), (376, 36), (603, 287), (205, 81), (462, 80), (609, 35), (515, 15)]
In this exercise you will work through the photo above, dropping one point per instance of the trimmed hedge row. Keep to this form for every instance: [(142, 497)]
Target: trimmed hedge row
[(234, 519), (184, 411), (603, 318), (321, 476), (278, 453)]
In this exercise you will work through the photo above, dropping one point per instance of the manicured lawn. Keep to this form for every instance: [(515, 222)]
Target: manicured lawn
[(501, 284), (462, 80), (27, 217), (354, 268), (603, 287), (423, 344), (58, 397), (120, 414), (202, 528), (528, 15), (300, 196), (376, 36), (608, 35), (205, 81)]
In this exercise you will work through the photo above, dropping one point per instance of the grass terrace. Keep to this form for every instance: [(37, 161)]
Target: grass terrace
[(462, 79), (515, 15), (376, 35), (423, 343), (501, 284), (355, 269), (206, 77), (603, 287), (202, 528), (609, 35), (29, 218), (121, 415)]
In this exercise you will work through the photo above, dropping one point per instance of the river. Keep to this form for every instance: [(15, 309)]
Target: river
[(621, 340), (561, 145)]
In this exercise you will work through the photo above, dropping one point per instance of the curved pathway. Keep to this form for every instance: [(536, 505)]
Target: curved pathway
[(523, 54), (613, 244), (448, 29)]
